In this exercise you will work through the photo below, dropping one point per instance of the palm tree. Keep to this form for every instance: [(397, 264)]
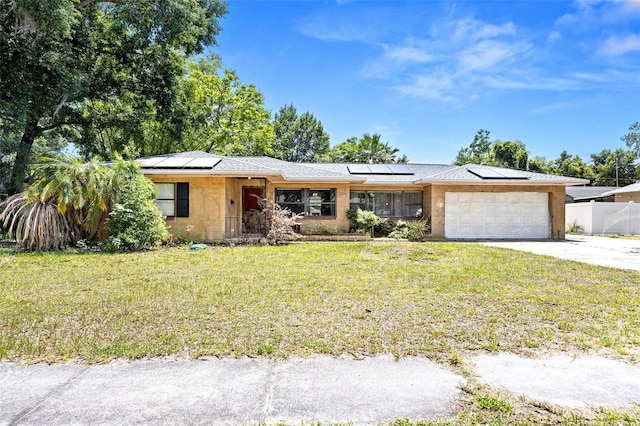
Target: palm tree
[(69, 202), (374, 151), (367, 149), (36, 225)]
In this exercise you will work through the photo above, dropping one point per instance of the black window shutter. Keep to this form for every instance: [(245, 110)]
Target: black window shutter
[(182, 199)]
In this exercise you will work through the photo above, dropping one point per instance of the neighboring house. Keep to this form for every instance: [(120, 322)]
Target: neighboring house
[(584, 194), (216, 197), (619, 217), (625, 194)]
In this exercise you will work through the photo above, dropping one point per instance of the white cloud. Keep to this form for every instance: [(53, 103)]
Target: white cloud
[(554, 36), (472, 29), (615, 46), (592, 14), (407, 54), (487, 54), (552, 108), (430, 87), (455, 63), (343, 31)]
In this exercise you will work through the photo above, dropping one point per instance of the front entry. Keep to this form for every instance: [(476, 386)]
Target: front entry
[(252, 217)]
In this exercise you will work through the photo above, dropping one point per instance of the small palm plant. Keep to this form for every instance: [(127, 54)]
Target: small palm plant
[(71, 201), (67, 203)]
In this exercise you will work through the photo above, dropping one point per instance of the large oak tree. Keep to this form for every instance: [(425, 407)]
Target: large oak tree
[(58, 56)]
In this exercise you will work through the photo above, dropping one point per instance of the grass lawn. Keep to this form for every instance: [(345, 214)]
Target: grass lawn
[(440, 300), (432, 299)]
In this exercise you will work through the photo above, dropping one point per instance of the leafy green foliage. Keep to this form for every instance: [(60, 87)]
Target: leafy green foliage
[(71, 201), (224, 115), (411, 230), (77, 68), (615, 168), (135, 222), (362, 220), (478, 152), (323, 228), (81, 191), (367, 149), (35, 225), (632, 138), (299, 138), (607, 168), (509, 154), (489, 402), (384, 227)]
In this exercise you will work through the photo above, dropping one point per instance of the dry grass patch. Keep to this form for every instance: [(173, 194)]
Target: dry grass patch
[(432, 299)]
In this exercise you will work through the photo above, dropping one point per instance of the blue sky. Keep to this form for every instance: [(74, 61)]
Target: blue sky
[(426, 75)]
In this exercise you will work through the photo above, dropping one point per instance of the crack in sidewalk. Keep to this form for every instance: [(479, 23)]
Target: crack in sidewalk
[(271, 383), (24, 413)]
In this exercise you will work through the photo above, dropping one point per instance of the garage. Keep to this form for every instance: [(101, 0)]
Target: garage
[(493, 215)]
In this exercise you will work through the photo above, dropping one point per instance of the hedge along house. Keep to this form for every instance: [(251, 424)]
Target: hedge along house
[(217, 197)]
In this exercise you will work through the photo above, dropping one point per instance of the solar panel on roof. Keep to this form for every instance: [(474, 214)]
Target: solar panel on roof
[(380, 169), (513, 174), (202, 163), (488, 173), (358, 169), (150, 162), (400, 169), (172, 163)]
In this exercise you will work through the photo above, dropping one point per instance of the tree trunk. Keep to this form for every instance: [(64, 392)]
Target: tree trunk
[(21, 164)]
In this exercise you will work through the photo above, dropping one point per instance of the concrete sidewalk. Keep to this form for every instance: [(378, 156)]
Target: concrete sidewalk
[(251, 391), (228, 391)]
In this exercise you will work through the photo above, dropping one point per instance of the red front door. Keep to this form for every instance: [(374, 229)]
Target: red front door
[(251, 198)]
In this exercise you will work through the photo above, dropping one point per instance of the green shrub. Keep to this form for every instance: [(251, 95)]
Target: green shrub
[(322, 228), (362, 220), (412, 231), (135, 222), (384, 227)]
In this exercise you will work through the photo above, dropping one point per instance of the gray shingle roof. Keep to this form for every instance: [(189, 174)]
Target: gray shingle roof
[(461, 174), (634, 187), (581, 192), (339, 172)]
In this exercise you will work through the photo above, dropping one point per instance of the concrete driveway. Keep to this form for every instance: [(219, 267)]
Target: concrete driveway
[(612, 252)]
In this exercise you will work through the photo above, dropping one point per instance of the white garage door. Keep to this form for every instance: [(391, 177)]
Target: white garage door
[(497, 215)]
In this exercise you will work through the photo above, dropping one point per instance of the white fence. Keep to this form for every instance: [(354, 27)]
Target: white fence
[(604, 218)]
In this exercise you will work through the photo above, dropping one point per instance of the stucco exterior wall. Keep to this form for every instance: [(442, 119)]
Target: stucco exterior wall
[(340, 222), (556, 203), (215, 203), (206, 219), (627, 196)]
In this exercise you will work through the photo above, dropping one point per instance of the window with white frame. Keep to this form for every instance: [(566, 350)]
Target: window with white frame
[(308, 201), (388, 203)]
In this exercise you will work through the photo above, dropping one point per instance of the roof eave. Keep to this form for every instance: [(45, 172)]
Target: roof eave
[(321, 179), (209, 172), (503, 182)]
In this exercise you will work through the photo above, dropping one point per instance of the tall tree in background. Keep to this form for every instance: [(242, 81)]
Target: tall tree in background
[(632, 139), (367, 149), (298, 138), (614, 168), (224, 116), (572, 166), (478, 152), (57, 56), (509, 154)]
